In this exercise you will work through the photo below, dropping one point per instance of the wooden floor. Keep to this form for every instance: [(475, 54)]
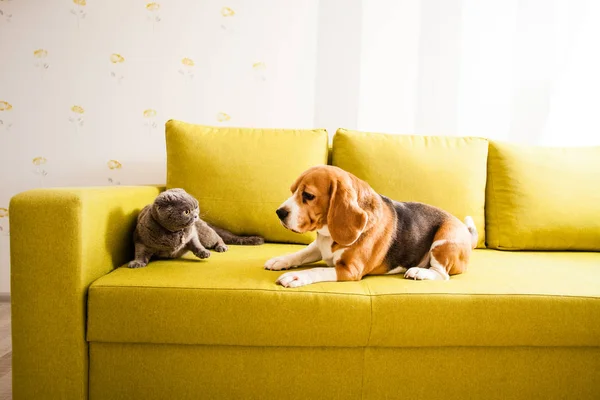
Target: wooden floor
[(5, 352)]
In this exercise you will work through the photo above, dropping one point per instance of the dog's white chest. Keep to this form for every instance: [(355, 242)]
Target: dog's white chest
[(324, 242)]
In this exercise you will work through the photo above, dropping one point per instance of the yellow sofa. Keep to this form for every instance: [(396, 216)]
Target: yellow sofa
[(523, 322)]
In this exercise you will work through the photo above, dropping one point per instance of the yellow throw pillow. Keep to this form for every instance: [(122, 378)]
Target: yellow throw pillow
[(444, 171), (241, 175), (543, 198)]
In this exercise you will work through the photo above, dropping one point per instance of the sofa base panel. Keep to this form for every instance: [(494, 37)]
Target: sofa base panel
[(126, 371)]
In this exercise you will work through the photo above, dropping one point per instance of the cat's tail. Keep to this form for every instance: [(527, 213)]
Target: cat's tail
[(231, 238)]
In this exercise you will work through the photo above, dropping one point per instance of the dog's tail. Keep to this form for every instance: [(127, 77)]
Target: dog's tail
[(472, 230)]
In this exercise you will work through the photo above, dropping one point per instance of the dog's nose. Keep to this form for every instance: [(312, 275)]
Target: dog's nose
[(282, 213)]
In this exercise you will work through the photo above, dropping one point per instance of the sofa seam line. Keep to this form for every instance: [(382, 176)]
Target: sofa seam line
[(362, 375), (226, 289), (370, 295), (364, 352), (344, 347), (493, 190), (229, 200), (371, 315)]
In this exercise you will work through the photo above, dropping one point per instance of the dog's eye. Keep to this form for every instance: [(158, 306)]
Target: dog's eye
[(307, 196)]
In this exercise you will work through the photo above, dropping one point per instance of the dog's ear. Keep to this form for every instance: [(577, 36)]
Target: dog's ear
[(345, 219), (297, 182)]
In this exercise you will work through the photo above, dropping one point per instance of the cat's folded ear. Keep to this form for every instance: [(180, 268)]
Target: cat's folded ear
[(159, 208)]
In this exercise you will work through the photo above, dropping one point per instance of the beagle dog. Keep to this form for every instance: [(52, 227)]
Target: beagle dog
[(360, 232)]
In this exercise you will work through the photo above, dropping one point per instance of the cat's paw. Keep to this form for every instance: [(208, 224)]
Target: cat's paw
[(254, 240), (221, 248), (136, 264), (202, 254)]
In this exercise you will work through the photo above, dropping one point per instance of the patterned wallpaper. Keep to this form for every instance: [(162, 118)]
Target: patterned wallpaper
[(87, 85)]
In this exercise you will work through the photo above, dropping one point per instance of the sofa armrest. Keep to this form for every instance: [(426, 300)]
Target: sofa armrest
[(61, 241)]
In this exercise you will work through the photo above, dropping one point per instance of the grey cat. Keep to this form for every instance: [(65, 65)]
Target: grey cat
[(171, 226)]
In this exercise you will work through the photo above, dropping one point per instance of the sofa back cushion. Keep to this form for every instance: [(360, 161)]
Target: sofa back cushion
[(447, 172), (240, 175), (543, 198)]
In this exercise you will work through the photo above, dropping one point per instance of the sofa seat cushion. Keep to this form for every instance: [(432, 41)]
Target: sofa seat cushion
[(227, 299), (505, 299)]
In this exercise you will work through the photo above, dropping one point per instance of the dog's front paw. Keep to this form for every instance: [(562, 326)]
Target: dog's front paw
[(136, 264), (278, 263), (202, 254), (295, 279), (420, 274), (221, 248)]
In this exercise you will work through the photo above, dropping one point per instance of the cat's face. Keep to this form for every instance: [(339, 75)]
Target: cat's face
[(175, 209)]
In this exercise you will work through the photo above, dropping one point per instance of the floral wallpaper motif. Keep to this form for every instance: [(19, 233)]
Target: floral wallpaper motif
[(40, 169), (76, 117), (150, 120), (41, 60), (78, 10), (4, 221), (5, 14), (116, 70), (115, 167), (228, 21), (187, 68), (222, 117), (260, 71), (86, 86), (153, 14), (5, 120)]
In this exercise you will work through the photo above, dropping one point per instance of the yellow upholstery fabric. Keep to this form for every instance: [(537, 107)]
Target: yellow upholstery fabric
[(543, 198), (137, 371), (239, 175), (61, 241), (490, 373), (447, 172), (504, 299), (212, 301)]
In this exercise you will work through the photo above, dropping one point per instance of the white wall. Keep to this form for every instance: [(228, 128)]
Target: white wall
[(517, 70), (389, 68), (338, 64)]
